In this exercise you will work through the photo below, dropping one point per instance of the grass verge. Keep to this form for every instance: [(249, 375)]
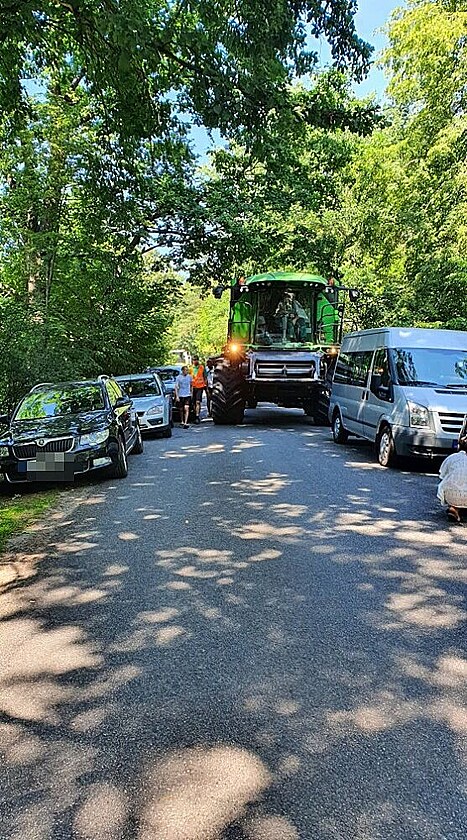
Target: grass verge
[(17, 512)]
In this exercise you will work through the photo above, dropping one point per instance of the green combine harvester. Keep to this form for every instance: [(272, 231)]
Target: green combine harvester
[(283, 338)]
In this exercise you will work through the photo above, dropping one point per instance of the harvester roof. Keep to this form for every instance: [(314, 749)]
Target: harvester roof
[(288, 277)]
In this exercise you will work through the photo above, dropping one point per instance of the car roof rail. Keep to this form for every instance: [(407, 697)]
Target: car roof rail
[(41, 385)]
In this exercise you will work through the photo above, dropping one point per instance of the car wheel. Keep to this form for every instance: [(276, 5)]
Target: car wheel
[(339, 434), (119, 468), (167, 433), (138, 445), (386, 448)]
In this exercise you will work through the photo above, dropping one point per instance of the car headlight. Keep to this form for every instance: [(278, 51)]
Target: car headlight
[(93, 438), (4, 452), (156, 410), (419, 415)]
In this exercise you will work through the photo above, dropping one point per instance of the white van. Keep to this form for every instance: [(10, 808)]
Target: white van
[(405, 389)]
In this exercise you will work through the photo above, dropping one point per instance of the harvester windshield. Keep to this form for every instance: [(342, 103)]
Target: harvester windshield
[(283, 309), (284, 316)]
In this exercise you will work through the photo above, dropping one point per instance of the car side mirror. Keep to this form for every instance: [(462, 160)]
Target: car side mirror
[(218, 291), (5, 419), (123, 402)]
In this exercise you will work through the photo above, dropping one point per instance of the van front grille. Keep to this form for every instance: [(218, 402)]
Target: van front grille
[(451, 422)]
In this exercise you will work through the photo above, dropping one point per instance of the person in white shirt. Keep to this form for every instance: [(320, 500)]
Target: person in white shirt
[(183, 394), (452, 489)]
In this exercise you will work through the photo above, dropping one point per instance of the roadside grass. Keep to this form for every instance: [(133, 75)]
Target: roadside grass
[(17, 512)]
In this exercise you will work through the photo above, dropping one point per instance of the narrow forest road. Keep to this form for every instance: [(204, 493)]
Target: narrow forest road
[(258, 635)]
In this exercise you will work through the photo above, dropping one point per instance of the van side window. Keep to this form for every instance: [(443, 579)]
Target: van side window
[(360, 365), (381, 376), (352, 368), (342, 371)]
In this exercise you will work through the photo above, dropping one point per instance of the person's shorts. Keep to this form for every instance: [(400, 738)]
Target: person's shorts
[(197, 394), (182, 401)]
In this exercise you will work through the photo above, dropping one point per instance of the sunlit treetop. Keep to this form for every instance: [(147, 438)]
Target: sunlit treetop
[(226, 62)]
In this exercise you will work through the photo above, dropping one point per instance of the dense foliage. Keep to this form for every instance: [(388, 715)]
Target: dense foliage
[(378, 200), (409, 199), (98, 184), (199, 323), (102, 201)]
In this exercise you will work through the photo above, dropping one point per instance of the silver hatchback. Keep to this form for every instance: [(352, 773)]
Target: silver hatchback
[(151, 404)]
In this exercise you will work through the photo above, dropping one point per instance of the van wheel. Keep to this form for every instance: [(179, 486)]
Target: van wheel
[(386, 448), (339, 434)]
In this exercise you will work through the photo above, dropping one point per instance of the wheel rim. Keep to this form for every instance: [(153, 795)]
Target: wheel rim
[(384, 447), (124, 460), (337, 426)]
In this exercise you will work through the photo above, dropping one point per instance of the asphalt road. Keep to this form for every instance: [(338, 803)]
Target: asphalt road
[(258, 635)]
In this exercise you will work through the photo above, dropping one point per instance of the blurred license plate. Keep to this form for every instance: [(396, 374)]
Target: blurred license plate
[(50, 466)]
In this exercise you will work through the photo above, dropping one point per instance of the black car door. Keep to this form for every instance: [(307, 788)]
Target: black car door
[(121, 405)]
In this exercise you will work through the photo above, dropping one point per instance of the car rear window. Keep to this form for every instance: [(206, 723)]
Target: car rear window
[(143, 387), (60, 401), (168, 375)]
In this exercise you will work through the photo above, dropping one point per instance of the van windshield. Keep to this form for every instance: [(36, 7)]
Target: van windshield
[(431, 367)]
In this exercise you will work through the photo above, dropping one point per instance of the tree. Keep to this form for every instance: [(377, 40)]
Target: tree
[(280, 204), (410, 183), (199, 323), (225, 62)]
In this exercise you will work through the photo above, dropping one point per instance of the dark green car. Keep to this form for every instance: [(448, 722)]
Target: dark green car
[(63, 429)]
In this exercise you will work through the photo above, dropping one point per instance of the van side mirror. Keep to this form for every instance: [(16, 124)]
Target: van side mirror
[(383, 392), (218, 291), (375, 383)]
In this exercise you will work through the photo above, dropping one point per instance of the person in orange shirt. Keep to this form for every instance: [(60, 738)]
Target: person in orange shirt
[(198, 373)]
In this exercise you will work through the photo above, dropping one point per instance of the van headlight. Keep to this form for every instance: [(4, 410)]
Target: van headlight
[(419, 415), (155, 411), (94, 438)]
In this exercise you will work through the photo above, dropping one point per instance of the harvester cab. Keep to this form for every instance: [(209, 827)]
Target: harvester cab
[(283, 336)]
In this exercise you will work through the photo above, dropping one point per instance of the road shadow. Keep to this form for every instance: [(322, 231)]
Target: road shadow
[(277, 654)]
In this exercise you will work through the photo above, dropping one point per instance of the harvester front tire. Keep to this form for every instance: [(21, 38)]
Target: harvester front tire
[(228, 397)]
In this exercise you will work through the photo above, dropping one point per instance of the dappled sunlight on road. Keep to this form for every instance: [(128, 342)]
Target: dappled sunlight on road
[(102, 814), (227, 647), (194, 794), (271, 485)]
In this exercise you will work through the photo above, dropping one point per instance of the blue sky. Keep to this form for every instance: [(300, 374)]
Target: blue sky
[(371, 16)]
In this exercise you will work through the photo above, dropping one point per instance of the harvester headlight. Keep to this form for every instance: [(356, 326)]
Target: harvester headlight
[(234, 348)]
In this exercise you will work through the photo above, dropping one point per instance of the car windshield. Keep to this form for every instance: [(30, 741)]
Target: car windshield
[(143, 387), (60, 401), (431, 367)]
